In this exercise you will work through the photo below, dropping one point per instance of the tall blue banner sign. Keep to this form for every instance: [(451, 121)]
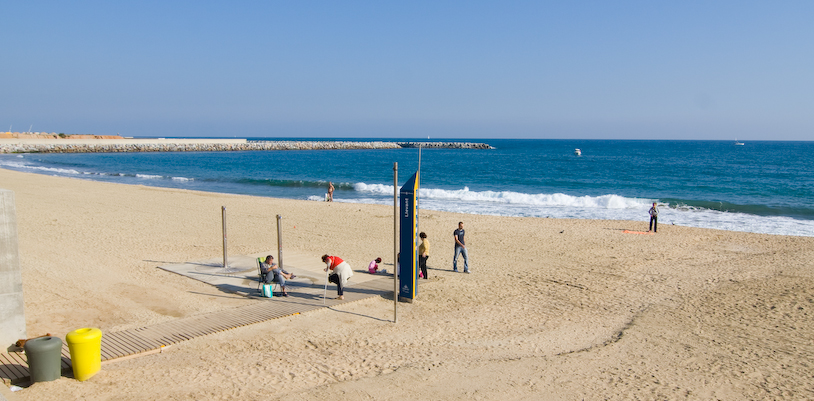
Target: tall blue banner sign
[(408, 258)]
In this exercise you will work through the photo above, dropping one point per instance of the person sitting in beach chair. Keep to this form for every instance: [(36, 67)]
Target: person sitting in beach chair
[(271, 273)]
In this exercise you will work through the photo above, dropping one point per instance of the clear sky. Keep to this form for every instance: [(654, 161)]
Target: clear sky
[(410, 69)]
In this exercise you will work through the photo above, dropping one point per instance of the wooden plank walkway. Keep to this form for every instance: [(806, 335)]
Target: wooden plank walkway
[(14, 366)]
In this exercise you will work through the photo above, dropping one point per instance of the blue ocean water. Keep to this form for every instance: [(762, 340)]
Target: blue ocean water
[(763, 187)]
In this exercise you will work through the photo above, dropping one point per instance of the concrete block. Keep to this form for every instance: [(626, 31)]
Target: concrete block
[(12, 312)]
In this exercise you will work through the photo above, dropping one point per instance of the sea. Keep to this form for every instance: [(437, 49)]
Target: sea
[(760, 186)]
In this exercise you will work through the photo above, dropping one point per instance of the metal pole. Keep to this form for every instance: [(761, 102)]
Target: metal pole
[(279, 242), (325, 291), (418, 199), (223, 219), (395, 241)]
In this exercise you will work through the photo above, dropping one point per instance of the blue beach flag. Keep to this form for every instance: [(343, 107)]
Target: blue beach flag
[(408, 271)]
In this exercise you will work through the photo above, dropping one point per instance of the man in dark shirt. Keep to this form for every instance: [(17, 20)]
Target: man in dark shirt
[(275, 274), (654, 218), (460, 248)]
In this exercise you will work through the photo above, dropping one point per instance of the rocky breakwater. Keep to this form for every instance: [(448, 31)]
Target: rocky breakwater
[(445, 145), (210, 145)]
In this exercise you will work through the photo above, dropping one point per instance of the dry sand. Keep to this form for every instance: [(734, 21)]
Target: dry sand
[(554, 309)]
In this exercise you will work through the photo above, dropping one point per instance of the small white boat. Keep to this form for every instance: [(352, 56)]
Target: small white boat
[(577, 152), (738, 143)]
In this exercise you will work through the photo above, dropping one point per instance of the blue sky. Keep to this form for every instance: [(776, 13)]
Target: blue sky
[(468, 69)]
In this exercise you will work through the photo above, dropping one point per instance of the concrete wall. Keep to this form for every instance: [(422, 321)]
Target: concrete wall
[(12, 314)]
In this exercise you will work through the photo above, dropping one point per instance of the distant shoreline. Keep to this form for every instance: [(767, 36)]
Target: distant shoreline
[(53, 145)]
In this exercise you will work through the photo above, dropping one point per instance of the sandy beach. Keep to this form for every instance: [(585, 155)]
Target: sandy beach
[(554, 309)]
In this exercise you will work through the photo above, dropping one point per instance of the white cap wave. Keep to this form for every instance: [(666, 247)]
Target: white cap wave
[(517, 198)]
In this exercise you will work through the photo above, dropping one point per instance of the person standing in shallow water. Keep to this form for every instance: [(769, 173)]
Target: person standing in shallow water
[(330, 191), (460, 248), (654, 218)]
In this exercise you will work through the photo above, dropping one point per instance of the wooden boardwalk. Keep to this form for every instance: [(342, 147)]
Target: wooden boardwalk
[(14, 367)]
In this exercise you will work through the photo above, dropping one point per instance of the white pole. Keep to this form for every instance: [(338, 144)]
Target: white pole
[(325, 293), (279, 242), (223, 218), (395, 241), (418, 199)]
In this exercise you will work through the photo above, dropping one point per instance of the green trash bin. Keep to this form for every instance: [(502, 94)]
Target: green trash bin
[(44, 358)]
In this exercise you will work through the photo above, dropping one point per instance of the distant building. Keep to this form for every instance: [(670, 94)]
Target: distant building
[(52, 135)]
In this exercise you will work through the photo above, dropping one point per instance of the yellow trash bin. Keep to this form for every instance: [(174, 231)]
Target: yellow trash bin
[(86, 352)]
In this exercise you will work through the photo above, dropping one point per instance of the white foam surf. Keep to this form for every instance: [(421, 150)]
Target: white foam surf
[(604, 207), (36, 169)]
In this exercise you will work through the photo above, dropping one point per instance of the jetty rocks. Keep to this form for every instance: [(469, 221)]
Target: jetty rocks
[(208, 145)]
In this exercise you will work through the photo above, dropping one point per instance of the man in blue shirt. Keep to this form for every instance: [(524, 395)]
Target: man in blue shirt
[(460, 248)]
